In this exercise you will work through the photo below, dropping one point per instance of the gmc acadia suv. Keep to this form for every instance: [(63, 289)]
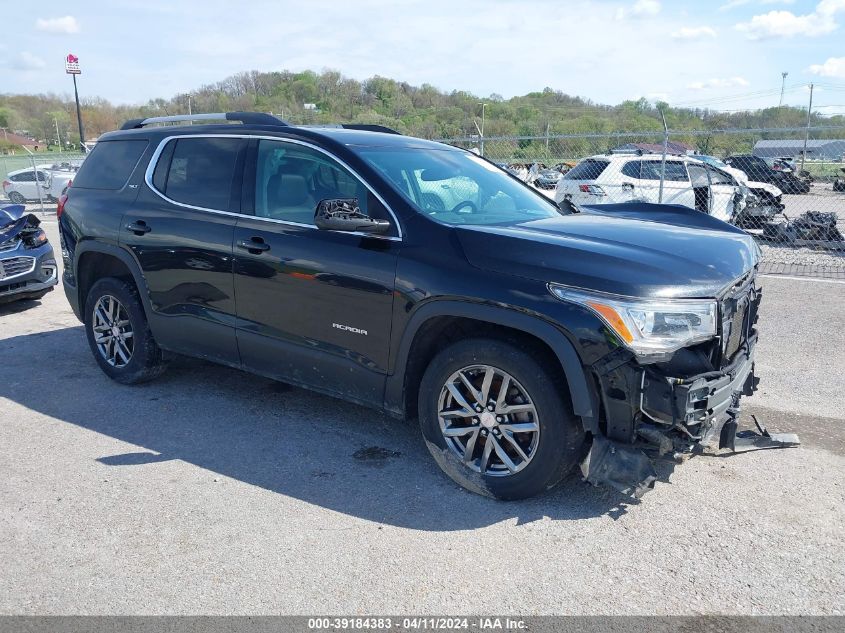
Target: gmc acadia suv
[(421, 280)]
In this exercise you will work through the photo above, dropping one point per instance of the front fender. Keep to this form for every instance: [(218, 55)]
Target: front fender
[(583, 400)]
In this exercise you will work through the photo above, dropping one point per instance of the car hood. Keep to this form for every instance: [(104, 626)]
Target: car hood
[(639, 250), (13, 220)]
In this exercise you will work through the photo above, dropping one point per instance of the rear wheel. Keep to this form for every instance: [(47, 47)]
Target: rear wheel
[(497, 420), (119, 335), (16, 198)]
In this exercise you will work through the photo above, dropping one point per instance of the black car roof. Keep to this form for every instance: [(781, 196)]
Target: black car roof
[(339, 135)]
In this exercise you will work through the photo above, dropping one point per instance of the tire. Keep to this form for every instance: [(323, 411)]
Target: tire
[(16, 198), (145, 360), (552, 451)]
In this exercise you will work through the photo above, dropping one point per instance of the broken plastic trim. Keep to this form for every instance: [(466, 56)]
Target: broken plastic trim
[(623, 468)]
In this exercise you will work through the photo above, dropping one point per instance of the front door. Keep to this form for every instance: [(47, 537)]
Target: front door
[(313, 306), (181, 232)]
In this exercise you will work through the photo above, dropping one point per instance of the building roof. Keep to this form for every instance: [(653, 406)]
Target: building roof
[(17, 139), (796, 143)]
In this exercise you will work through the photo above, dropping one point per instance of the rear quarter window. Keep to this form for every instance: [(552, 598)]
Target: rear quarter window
[(109, 164), (588, 169)]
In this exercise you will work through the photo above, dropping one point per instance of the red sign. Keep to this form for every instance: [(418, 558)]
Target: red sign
[(72, 65)]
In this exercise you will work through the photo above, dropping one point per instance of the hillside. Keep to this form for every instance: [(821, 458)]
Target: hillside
[(418, 110)]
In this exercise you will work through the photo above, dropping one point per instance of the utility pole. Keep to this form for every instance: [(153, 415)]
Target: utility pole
[(58, 137), (79, 116), (483, 105), (782, 87), (807, 131), (663, 158)]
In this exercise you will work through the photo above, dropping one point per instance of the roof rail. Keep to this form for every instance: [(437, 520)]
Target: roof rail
[(370, 128), (255, 118), (366, 127)]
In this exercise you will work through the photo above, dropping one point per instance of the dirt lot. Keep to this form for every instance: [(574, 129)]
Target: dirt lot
[(213, 491)]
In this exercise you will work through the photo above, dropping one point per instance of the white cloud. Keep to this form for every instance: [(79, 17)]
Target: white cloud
[(733, 4), (730, 82), (693, 33), (833, 67), (786, 24), (65, 25), (640, 9), (27, 61)]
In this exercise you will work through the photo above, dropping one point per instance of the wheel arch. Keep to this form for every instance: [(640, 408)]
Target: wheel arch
[(96, 261), (420, 342)]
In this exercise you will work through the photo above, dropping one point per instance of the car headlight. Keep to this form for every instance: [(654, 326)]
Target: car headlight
[(649, 327)]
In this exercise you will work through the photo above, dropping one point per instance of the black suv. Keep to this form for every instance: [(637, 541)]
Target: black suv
[(759, 170), (422, 280)]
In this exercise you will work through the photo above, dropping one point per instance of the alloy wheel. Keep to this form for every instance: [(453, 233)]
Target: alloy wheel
[(113, 331), (488, 420)]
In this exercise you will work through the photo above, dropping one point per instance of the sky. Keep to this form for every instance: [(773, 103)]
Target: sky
[(722, 54)]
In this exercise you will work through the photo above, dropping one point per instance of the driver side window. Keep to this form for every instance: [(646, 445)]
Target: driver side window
[(292, 179)]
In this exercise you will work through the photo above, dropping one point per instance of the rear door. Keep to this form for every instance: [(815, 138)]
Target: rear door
[(180, 230), (676, 184), (314, 307)]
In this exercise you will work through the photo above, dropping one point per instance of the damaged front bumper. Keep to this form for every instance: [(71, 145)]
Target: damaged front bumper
[(675, 416), (661, 411)]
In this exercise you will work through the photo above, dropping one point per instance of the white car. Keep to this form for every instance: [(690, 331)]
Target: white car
[(21, 186), (617, 178)]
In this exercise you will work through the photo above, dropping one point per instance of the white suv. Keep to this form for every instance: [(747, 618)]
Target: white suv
[(615, 178)]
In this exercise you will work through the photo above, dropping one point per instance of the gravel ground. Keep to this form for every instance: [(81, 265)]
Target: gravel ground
[(211, 491)]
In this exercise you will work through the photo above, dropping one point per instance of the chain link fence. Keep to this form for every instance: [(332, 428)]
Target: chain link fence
[(784, 186), (36, 178)]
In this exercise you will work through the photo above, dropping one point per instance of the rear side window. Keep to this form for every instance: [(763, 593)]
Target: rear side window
[(632, 169), (588, 169), (109, 164), (675, 171), (198, 171)]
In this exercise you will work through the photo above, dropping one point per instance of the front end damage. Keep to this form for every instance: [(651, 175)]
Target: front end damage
[(663, 410)]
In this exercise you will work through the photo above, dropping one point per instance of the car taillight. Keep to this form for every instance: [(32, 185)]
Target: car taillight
[(594, 190), (6, 183), (60, 207)]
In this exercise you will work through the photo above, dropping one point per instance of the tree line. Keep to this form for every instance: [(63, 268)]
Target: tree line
[(422, 111)]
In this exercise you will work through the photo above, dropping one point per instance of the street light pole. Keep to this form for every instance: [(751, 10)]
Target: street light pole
[(782, 87)]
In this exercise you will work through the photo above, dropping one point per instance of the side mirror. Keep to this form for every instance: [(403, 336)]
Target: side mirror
[(344, 214), (566, 207)]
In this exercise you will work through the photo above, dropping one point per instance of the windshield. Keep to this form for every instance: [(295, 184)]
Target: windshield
[(456, 187), (710, 160)]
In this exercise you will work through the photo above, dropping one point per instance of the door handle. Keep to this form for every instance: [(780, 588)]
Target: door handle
[(139, 227), (627, 185), (254, 245)]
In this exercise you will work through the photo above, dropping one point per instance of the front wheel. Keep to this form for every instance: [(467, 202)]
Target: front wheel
[(497, 419)]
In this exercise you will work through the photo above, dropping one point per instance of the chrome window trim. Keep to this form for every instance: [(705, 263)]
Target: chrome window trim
[(151, 167)]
